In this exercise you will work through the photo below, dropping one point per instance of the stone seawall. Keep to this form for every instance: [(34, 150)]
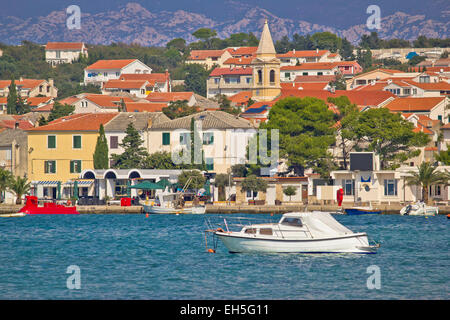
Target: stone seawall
[(225, 209)]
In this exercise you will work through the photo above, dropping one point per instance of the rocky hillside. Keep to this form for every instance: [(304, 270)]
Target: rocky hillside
[(133, 23)]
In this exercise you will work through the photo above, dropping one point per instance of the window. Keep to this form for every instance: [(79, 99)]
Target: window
[(48, 89), (390, 187), (216, 80), (407, 91), (272, 76), (76, 142), (250, 230), (295, 222), (117, 74), (185, 138), (166, 138), (266, 231), (105, 74), (58, 54), (440, 118), (113, 142), (305, 73), (249, 80), (259, 76), (50, 166), (287, 75), (414, 91), (51, 142), (142, 91), (209, 164), (208, 138), (75, 166), (40, 88), (320, 73), (349, 187)]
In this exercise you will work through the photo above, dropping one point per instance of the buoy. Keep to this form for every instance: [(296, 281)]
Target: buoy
[(146, 215), (448, 216), (211, 251)]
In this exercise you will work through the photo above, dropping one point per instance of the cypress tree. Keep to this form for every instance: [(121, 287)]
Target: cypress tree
[(101, 151), (12, 98)]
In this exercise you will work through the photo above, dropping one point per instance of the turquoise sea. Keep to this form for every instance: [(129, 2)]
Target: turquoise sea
[(164, 257)]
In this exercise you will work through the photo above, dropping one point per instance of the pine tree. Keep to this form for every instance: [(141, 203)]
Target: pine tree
[(134, 154), (12, 98), (101, 151)]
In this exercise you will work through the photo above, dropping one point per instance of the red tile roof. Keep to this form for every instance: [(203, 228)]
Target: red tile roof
[(24, 83), (242, 51), (370, 98), (231, 71), (204, 54), (312, 66), (78, 122), (64, 46), (152, 78), (303, 79), (414, 104), (145, 106), (110, 64), (169, 96), (35, 101), (106, 101), (303, 54), (124, 84), (240, 98), (23, 124), (239, 61)]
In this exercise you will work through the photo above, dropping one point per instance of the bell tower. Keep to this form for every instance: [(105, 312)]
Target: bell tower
[(266, 69)]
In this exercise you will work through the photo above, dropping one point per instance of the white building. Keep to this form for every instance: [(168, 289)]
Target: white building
[(64, 52), (105, 70)]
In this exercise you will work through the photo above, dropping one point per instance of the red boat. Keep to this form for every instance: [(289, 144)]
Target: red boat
[(31, 207)]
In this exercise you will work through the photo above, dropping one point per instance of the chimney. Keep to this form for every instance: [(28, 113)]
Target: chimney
[(293, 51), (317, 50), (20, 79), (50, 82)]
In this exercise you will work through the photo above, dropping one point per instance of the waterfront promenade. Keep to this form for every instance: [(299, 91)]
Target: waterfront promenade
[(228, 209)]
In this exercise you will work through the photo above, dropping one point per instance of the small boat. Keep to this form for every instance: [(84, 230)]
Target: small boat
[(296, 232), (361, 210), (31, 207), (13, 215), (168, 203), (419, 209)]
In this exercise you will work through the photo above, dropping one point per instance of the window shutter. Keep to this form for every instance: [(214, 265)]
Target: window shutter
[(51, 142), (72, 166), (166, 138), (77, 142)]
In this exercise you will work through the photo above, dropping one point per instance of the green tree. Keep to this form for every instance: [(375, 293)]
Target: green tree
[(225, 104), (253, 184), (19, 186), (195, 78), (290, 191), (205, 34), (178, 109), (160, 160), (60, 110), (221, 181), (100, 156), (443, 156), (177, 43), (197, 181), (12, 98), (426, 177), (305, 131), (239, 170), (5, 181), (134, 154), (389, 136), (347, 121), (364, 58)]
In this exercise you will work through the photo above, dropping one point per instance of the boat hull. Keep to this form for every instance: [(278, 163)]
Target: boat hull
[(13, 215), (355, 243), (429, 211), (55, 210), (160, 210), (354, 212)]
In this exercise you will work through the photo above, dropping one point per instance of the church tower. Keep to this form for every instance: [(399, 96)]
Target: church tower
[(266, 69)]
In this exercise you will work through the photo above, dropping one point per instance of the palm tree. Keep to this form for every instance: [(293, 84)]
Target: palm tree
[(19, 186), (5, 180), (426, 177)]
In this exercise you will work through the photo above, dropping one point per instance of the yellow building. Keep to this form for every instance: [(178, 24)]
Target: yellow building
[(266, 69), (59, 151)]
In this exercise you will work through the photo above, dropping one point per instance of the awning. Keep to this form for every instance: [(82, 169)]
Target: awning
[(83, 182), (147, 185), (46, 183)]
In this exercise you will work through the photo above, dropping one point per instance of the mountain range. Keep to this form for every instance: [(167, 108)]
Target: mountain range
[(133, 23)]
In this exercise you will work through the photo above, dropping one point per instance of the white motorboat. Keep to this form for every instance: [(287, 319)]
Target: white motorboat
[(296, 232), (419, 209), (166, 203), (13, 215)]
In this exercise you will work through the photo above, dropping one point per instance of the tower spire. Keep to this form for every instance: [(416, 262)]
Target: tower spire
[(266, 46)]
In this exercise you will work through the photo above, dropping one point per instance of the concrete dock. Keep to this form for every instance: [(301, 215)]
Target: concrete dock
[(227, 209)]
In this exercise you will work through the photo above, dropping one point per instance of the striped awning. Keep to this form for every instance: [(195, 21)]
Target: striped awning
[(47, 183), (82, 182)]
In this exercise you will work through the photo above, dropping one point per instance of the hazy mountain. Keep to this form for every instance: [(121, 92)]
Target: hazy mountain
[(132, 22)]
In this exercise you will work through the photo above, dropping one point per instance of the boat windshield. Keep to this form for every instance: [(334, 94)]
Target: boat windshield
[(295, 222)]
